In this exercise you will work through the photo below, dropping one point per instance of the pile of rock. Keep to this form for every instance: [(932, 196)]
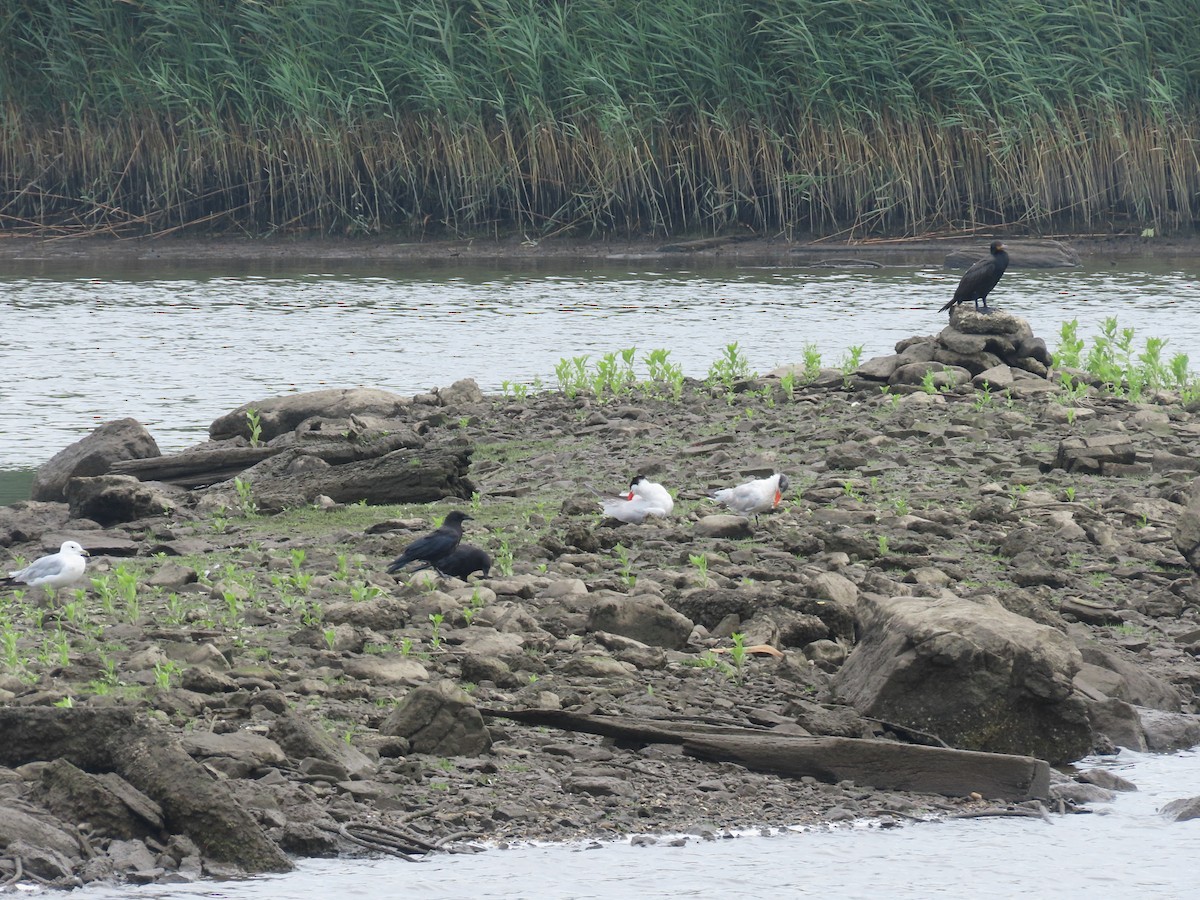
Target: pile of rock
[(995, 348)]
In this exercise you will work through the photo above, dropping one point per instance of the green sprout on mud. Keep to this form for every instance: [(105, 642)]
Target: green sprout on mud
[(731, 367), (622, 554), (245, 493), (852, 360), (504, 558), (700, 561), (254, 421), (787, 383), (164, 673), (983, 396), (666, 373), (360, 593), (737, 653), (435, 620), (14, 662), (883, 544), (812, 362), (330, 635)]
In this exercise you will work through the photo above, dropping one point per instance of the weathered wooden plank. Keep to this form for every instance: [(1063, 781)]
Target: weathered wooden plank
[(195, 468), (887, 765)]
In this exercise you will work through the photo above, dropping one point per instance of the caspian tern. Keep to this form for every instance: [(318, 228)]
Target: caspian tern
[(53, 571), (754, 497), (645, 498), (435, 546)]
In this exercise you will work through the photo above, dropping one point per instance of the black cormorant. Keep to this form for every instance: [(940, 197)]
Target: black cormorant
[(979, 280)]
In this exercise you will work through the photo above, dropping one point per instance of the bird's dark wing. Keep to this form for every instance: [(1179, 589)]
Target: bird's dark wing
[(974, 278), (465, 561), (430, 548)]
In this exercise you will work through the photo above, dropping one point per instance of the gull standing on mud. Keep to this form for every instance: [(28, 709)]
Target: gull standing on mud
[(434, 547), (52, 572), (645, 498), (753, 497)]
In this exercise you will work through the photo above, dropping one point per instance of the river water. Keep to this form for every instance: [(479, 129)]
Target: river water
[(1123, 849)]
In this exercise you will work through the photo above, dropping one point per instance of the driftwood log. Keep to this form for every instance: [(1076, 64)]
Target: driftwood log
[(403, 476), (195, 468), (203, 467), (114, 740), (886, 765)]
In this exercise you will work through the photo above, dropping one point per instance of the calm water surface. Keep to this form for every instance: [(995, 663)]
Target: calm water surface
[(175, 348), (1122, 850)]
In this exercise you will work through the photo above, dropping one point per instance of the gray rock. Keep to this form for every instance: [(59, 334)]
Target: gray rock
[(279, 415), (440, 719), (1186, 534), (172, 576), (1118, 721), (1130, 681), (827, 655), (965, 319), (1182, 810), (835, 588), (598, 667), (131, 856), (381, 614), (93, 455), (300, 739), (110, 499), (1095, 453), (944, 376), (976, 675), (1166, 732), (28, 520), (242, 752), (386, 669), (724, 526), (20, 822), (463, 391), (1075, 792), (879, 368), (204, 680), (1107, 779), (997, 378), (644, 618)]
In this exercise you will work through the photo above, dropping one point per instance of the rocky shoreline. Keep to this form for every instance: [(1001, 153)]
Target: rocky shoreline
[(970, 554)]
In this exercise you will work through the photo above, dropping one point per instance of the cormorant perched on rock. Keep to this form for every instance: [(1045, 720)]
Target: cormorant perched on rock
[(977, 282), (435, 546)]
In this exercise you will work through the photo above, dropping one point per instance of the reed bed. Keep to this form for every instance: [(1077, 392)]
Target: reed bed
[(556, 116)]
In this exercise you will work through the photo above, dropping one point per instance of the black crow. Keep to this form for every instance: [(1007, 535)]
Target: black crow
[(979, 280), (464, 561), (435, 546)]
